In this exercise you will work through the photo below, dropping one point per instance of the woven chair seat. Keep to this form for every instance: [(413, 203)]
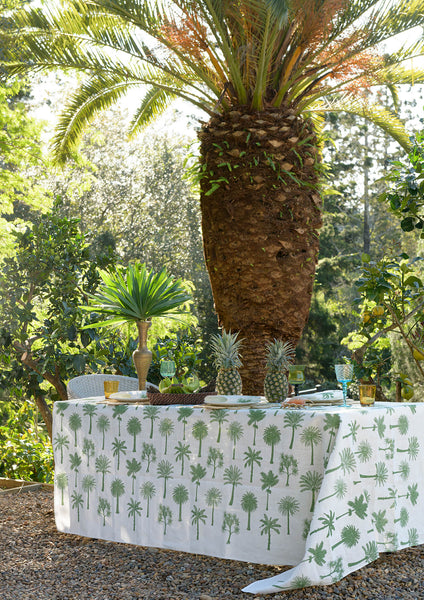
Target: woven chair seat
[(85, 386)]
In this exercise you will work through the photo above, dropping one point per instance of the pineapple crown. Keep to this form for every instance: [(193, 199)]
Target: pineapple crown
[(225, 349), (279, 355)]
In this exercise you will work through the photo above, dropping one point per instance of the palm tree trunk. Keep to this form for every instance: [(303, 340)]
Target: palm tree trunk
[(260, 227)]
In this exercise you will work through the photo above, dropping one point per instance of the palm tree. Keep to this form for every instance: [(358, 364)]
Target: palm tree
[(148, 490), (77, 502), (61, 482), (134, 428), (231, 523), (166, 427), (198, 515), (88, 449), (60, 442), (268, 525), (117, 489), (133, 467), (148, 453), (90, 410), (235, 433), (233, 477), (272, 435), (249, 503), (197, 473), (255, 416), (331, 424), (180, 496), (402, 424), (200, 431), (412, 449), (293, 419), (264, 71), (288, 465), (88, 484), (75, 461), (288, 506), (134, 509), (75, 423), (103, 509), (311, 482), (103, 466), (182, 451), (164, 516), (119, 446), (60, 408), (220, 417), (117, 413), (215, 457), (165, 471), (103, 425), (311, 436), (252, 458), (183, 413), (152, 413), (213, 498), (269, 480)]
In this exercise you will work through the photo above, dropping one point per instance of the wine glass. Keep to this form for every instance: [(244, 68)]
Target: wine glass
[(296, 376), (344, 374), (167, 368)]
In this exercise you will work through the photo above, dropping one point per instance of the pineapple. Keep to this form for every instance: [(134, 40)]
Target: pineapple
[(225, 349), (279, 356)]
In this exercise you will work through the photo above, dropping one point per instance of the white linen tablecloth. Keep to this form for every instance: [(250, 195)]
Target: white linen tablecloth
[(322, 488)]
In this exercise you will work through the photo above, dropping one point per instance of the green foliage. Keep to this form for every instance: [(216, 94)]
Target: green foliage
[(182, 385), (25, 448), (185, 349)]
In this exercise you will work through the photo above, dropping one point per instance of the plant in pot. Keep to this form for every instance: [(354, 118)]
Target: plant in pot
[(185, 389), (136, 295)]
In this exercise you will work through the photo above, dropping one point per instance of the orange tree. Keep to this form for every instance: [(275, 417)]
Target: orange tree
[(262, 71)]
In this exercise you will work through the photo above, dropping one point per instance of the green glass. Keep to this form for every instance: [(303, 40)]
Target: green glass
[(167, 368)]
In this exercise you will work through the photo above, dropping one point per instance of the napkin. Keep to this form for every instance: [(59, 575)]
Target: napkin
[(322, 396)]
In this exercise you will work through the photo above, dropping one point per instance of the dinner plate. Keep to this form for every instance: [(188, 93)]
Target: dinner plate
[(128, 397), (234, 401)]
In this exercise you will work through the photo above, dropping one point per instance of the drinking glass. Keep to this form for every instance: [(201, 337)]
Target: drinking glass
[(344, 374), (110, 387), (167, 368), (367, 394), (296, 376)]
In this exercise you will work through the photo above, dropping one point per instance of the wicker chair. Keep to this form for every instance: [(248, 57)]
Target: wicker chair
[(92, 385)]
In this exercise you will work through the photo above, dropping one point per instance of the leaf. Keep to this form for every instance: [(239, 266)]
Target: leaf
[(78, 362), (407, 224)]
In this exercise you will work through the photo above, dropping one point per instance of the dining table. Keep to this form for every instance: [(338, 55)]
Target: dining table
[(320, 490)]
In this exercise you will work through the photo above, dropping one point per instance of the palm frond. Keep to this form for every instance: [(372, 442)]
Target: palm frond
[(153, 104)]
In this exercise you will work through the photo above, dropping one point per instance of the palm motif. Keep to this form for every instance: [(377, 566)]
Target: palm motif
[(288, 506), (61, 442), (389, 449), (119, 447), (117, 489), (147, 490), (403, 517), (331, 424), (220, 417), (88, 449), (412, 449), (311, 436), (90, 410), (60, 408), (269, 480), (75, 423), (75, 462), (350, 537), (198, 516), (148, 453), (103, 466), (152, 413), (272, 436), (182, 451), (164, 516), (353, 430), (133, 467), (215, 458), (412, 494), (62, 482), (370, 554), (379, 426), (180, 497), (233, 477), (134, 428), (301, 581), (413, 538), (347, 462), (88, 484), (251, 458), (364, 451), (340, 490), (359, 506), (103, 425), (328, 520), (336, 572), (183, 413), (317, 554), (165, 471), (404, 470), (392, 496), (269, 525), (379, 521), (293, 419), (197, 473), (381, 474), (213, 497), (77, 502), (402, 424), (249, 504), (134, 510), (255, 416), (288, 465), (235, 433), (117, 413), (103, 509), (311, 482), (231, 524), (166, 427), (199, 431)]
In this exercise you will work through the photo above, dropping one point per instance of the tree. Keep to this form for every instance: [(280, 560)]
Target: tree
[(133, 467), (165, 471), (213, 497), (103, 466), (117, 489), (88, 484), (260, 160), (249, 503), (134, 509), (134, 428), (148, 490), (182, 451), (180, 496), (197, 473)]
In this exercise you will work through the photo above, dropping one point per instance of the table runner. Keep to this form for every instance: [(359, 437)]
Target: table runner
[(324, 489)]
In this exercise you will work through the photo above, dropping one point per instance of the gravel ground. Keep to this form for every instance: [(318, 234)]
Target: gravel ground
[(39, 563)]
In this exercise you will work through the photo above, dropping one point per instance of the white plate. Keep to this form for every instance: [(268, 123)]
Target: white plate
[(133, 396), (234, 401)]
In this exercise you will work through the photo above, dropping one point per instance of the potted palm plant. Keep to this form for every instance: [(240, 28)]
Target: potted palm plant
[(136, 295)]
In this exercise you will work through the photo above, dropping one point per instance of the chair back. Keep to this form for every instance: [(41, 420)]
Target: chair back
[(85, 386)]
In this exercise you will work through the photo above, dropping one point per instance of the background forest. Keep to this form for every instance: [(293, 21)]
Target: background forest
[(119, 201)]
